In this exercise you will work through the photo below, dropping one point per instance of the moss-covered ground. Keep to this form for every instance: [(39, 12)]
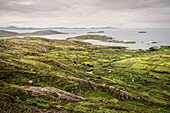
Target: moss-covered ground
[(142, 73)]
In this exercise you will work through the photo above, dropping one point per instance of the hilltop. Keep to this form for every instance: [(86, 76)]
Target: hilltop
[(43, 75)]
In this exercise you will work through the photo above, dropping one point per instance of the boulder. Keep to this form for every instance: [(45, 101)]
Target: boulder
[(30, 82), (116, 90), (111, 88)]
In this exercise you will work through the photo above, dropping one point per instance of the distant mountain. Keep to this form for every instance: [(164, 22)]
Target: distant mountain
[(47, 28), (4, 33), (18, 28), (103, 28)]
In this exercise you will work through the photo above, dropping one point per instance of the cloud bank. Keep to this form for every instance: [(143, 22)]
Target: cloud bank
[(85, 13)]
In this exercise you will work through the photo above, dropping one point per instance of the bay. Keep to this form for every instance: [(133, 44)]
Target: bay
[(152, 37)]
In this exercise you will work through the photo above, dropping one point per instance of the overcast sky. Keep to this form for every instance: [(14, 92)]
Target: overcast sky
[(85, 13)]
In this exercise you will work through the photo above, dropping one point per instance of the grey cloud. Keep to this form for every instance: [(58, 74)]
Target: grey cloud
[(85, 12)]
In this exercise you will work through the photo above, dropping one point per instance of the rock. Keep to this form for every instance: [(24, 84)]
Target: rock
[(103, 100), (108, 89), (40, 91), (19, 55), (116, 90), (60, 76), (68, 96), (58, 106), (85, 82), (30, 82), (94, 85), (38, 73), (101, 86), (121, 94), (133, 79), (10, 64), (90, 72), (61, 94), (80, 91), (111, 88)]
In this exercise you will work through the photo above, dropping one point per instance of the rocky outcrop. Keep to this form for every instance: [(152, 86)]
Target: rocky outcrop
[(61, 94), (84, 82), (109, 89), (10, 64), (19, 55)]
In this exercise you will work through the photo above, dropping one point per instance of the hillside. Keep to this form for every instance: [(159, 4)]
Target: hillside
[(43, 75), (44, 32)]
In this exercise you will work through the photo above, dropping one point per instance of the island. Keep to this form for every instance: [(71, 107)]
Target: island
[(4, 33), (96, 32), (142, 32), (99, 37)]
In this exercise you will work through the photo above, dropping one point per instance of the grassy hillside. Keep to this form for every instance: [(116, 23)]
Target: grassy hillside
[(40, 75)]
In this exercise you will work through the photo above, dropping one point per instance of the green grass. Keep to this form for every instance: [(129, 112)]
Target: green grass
[(144, 74)]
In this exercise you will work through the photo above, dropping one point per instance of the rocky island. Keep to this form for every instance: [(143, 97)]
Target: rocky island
[(142, 32), (96, 32)]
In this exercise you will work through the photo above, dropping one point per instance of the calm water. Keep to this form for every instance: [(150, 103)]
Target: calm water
[(143, 40)]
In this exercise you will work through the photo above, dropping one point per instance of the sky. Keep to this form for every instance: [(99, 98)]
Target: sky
[(85, 13)]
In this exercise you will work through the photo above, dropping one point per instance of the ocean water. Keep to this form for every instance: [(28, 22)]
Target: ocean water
[(143, 40)]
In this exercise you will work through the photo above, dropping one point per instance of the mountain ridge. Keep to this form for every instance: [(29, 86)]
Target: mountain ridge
[(47, 28)]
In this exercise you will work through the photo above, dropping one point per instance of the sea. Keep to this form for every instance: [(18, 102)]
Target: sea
[(151, 37)]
